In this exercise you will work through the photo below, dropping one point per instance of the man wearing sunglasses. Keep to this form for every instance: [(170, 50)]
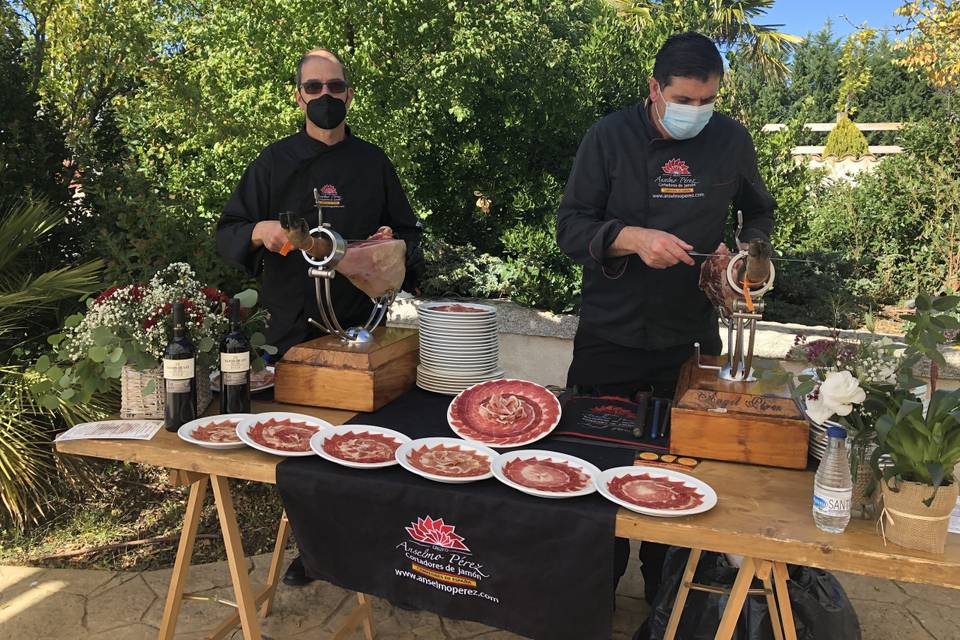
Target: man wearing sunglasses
[(358, 189), (649, 184), (356, 185)]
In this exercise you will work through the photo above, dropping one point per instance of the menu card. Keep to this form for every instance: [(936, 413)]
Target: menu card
[(955, 518), (113, 429)]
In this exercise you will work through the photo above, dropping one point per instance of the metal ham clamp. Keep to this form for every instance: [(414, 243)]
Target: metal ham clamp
[(735, 284), (376, 266)]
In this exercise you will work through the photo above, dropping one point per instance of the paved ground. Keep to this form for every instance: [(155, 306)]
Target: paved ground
[(42, 604)]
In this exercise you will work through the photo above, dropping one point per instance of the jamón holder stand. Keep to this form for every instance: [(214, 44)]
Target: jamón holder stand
[(322, 272), (741, 324)]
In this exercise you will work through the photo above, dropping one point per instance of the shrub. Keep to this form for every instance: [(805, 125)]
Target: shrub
[(846, 140)]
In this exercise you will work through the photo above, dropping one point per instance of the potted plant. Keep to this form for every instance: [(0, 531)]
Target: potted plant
[(919, 486), (853, 381), (122, 336)]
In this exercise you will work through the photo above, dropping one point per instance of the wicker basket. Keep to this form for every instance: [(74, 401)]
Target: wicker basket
[(135, 404), (906, 521)]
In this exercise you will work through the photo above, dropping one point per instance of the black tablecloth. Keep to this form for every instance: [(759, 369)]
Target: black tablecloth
[(478, 551)]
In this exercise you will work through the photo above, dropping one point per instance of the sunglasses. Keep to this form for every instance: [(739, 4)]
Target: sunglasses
[(315, 87)]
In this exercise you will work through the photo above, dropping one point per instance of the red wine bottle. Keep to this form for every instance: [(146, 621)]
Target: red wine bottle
[(179, 375), (234, 366)]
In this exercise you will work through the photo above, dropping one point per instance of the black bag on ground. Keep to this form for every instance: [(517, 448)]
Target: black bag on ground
[(821, 609)]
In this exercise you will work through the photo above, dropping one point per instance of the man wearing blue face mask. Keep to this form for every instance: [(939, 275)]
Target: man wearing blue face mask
[(649, 184)]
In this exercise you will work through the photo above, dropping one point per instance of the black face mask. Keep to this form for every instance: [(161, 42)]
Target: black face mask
[(326, 111)]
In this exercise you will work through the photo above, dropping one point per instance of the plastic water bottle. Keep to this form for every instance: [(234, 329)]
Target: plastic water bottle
[(833, 488)]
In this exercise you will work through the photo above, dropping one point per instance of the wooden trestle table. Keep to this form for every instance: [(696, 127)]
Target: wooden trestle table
[(763, 514)]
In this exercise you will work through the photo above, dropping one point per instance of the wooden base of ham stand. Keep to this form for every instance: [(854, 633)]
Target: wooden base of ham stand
[(326, 372), (722, 420)]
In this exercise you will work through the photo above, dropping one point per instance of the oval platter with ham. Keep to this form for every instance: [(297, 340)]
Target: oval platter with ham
[(546, 474), (655, 491), (359, 446), (447, 459), (214, 432), (504, 413), (281, 433)]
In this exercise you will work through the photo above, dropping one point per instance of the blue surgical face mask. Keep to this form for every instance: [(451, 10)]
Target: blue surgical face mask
[(683, 121)]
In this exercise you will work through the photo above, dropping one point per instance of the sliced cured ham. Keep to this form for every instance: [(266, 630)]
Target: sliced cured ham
[(458, 308), (223, 431), (655, 492), (449, 462), (546, 475), (504, 412), (283, 434), (361, 447)]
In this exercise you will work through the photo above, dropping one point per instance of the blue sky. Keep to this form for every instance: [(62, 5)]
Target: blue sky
[(800, 16)]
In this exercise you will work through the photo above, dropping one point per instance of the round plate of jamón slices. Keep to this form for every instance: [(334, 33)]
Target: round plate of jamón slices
[(281, 433), (504, 413), (654, 491), (447, 459), (358, 446), (214, 432), (546, 474)]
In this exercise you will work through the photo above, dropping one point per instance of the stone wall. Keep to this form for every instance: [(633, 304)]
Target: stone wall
[(538, 345)]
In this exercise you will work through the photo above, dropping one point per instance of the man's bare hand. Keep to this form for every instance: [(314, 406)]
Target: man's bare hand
[(383, 233), (658, 249), (269, 234)]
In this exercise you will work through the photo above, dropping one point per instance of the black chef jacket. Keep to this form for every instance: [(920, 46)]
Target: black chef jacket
[(361, 192), (626, 174)]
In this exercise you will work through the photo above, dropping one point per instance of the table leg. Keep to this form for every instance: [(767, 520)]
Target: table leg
[(246, 603), (780, 577), (276, 563), (738, 595), (191, 521), (682, 593), (764, 570), (367, 616)]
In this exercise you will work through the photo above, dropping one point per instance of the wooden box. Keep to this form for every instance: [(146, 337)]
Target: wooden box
[(326, 372), (721, 420)]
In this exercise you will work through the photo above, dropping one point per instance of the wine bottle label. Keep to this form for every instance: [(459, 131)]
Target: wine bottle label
[(178, 386), (235, 377), (831, 502), (178, 369), (235, 362)]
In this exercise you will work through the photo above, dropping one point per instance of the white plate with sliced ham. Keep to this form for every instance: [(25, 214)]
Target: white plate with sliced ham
[(214, 432), (546, 474), (447, 460), (504, 413), (655, 491), (358, 446), (281, 433)]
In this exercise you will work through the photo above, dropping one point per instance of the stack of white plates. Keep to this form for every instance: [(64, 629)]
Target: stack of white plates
[(459, 346)]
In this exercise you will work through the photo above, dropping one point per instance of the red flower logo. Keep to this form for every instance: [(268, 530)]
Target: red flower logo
[(436, 532), (328, 189), (676, 167)]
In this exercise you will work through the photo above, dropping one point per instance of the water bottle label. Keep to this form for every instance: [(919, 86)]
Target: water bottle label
[(831, 502), (235, 362), (178, 369)]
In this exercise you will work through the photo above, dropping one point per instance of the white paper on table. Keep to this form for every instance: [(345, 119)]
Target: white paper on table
[(113, 429), (955, 518)]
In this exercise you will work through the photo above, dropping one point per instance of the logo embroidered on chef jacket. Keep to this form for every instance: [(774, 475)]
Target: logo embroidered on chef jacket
[(676, 181), (329, 198)]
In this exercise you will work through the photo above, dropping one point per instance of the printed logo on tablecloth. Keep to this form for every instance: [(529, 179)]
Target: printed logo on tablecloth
[(328, 197), (439, 558), (676, 181), (436, 532)]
